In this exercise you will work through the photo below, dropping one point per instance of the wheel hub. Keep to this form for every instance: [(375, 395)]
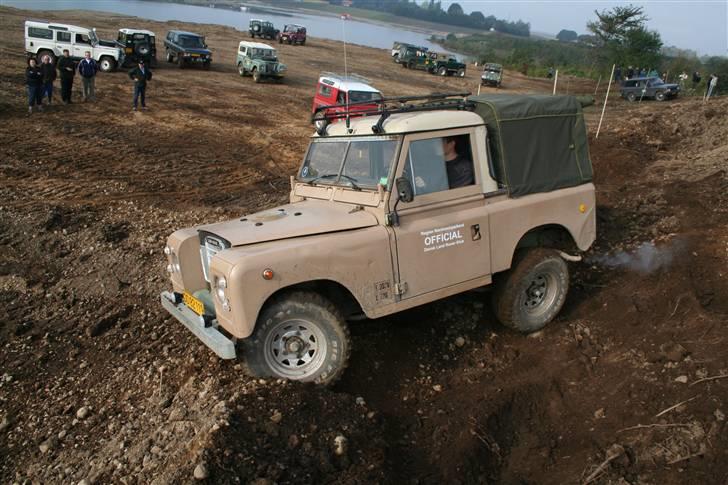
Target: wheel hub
[(536, 292), (295, 348)]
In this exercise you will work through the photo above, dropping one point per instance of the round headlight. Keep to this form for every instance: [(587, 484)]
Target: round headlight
[(220, 293), (167, 250)]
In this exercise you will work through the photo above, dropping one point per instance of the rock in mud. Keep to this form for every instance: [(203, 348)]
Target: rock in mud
[(201, 472)]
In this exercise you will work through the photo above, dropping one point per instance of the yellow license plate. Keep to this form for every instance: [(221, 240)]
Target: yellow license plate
[(196, 305), (195, 55)]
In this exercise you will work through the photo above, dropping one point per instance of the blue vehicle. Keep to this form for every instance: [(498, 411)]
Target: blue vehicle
[(648, 87), (187, 49)]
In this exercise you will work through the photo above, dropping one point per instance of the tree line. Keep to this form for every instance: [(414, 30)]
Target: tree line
[(432, 11)]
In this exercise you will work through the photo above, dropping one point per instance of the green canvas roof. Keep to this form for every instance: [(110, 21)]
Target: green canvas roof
[(538, 143)]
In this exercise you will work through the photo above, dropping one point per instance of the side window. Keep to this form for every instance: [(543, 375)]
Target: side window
[(82, 39), (325, 90), (438, 164), (341, 97), (63, 37), (242, 49), (40, 33)]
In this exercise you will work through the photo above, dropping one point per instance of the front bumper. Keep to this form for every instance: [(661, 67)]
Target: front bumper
[(209, 335)]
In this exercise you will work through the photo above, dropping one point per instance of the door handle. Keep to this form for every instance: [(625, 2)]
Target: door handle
[(475, 232)]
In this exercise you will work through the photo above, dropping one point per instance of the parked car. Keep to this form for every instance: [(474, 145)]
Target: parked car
[(377, 224), (260, 61), (336, 89), (292, 34), (138, 45), (413, 57), (262, 29), (648, 87), (187, 49), (492, 74), (445, 65), (397, 47), (50, 39)]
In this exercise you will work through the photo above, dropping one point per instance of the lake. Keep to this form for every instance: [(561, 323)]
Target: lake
[(357, 32)]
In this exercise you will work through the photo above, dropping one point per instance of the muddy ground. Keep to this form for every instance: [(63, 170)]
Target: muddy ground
[(628, 385)]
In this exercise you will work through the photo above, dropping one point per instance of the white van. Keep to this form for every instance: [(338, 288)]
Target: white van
[(49, 39)]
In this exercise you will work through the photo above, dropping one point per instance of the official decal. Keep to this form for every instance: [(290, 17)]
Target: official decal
[(442, 237)]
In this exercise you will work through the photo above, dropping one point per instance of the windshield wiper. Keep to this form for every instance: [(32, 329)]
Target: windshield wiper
[(351, 180)]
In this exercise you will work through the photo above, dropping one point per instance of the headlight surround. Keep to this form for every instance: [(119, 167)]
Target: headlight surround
[(220, 287)]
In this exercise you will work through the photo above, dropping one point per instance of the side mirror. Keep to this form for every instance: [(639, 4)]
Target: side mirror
[(404, 189)]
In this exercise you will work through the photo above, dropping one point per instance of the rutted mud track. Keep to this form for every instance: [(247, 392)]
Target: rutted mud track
[(98, 384)]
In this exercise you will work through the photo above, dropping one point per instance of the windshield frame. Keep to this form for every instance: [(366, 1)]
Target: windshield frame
[(341, 179)]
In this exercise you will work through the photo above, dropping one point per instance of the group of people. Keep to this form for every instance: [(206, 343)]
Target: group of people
[(39, 80), (633, 72)]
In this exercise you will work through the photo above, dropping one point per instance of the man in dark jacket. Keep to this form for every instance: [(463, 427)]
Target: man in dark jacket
[(49, 75), (87, 68), (141, 74), (34, 82), (68, 70)]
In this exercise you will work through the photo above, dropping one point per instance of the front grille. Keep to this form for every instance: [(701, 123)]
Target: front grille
[(210, 245)]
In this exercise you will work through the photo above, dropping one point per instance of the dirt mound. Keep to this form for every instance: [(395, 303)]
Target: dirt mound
[(627, 385)]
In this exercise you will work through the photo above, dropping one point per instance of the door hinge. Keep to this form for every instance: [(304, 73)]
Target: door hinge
[(400, 288)]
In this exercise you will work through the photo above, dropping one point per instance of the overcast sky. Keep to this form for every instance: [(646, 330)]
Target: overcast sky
[(700, 25)]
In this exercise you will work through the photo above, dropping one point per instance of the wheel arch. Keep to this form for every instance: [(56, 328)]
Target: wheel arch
[(552, 236), (335, 292)]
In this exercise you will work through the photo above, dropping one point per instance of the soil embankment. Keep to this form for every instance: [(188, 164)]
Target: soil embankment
[(98, 384)]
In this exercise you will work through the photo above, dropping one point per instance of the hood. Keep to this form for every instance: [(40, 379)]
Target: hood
[(197, 51), (305, 218), (108, 43)]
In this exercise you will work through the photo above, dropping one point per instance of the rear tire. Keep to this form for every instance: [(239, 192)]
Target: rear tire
[(45, 52), (461, 72), (442, 71), (107, 64), (300, 336), (241, 69), (533, 292)]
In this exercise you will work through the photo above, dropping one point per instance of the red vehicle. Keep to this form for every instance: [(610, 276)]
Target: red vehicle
[(336, 89), (293, 34)]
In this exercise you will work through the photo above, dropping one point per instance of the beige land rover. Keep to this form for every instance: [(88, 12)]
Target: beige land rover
[(420, 199)]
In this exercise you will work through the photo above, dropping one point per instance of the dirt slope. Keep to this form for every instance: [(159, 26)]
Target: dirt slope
[(99, 385)]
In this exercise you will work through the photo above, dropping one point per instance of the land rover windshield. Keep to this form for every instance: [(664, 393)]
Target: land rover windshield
[(355, 162)]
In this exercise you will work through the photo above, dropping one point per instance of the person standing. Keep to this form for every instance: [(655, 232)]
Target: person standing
[(34, 82), (618, 74), (49, 75), (141, 74), (68, 70), (88, 68)]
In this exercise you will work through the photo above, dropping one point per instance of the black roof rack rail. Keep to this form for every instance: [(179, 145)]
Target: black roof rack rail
[(388, 106)]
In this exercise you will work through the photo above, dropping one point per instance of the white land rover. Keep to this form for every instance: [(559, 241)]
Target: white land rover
[(49, 39)]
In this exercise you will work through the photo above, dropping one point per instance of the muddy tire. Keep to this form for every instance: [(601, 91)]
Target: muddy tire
[(461, 72), (180, 62), (532, 293), (256, 76), (241, 69), (107, 64), (631, 97), (442, 71), (206, 66), (300, 336), (660, 96)]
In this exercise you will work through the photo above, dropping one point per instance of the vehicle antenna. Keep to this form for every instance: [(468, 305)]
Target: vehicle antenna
[(346, 69)]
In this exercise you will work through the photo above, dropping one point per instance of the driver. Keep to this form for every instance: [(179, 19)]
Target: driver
[(459, 169)]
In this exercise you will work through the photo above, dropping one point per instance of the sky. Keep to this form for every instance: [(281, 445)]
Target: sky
[(700, 25)]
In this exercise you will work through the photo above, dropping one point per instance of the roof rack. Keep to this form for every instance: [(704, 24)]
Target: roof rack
[(386, 107)]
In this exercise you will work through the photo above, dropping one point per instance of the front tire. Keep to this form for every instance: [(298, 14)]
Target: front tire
[(180, 62), (533, 292), (302, 337), (170, 58), (660, 96), (631, 97), (461, 72), (442, 71), (256, 76)]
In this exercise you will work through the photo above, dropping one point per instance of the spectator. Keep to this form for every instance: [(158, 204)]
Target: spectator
[(618, 74), (34, 82), (683, 78), (49, 75), (68, 71), (630, 72), (551, 73), (643, 72), (664, 76), (696, 79), (88, 68), (140, 75)]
